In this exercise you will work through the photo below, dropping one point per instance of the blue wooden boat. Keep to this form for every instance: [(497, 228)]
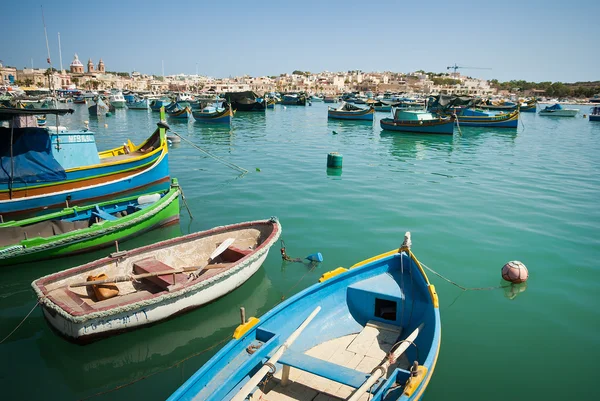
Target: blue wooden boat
[(294, 99), (595, 114), (48, 169), (470, 117), (347, 111), (529, 106), (418, 121), (215, 115), (141, 104), (371, 331), (182, 113), (155, 105)]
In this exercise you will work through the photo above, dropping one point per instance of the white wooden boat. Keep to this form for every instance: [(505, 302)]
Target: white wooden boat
[(152, 283)]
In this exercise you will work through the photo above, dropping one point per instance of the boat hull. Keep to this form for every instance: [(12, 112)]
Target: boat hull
[(181, 114), (163, 213), (368, 114), (559, 113), (347, 301), (441, 126), (118, 104), (220, 117), (85, 327), (594, 117), (498, 121)]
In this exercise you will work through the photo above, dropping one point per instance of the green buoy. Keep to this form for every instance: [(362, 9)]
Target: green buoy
[(334, 160)]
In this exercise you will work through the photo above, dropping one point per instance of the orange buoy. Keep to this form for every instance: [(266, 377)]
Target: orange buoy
[(515, 272)]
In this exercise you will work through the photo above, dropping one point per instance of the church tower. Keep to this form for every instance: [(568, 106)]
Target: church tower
[(90, 66), (101, 66)]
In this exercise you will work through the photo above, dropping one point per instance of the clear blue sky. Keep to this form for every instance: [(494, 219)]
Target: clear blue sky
[(532, 40)]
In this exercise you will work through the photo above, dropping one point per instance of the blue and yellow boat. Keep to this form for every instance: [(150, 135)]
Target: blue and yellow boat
[(470, 117), (47, 169), (347, 111), (418, 121), (374, 332), (214, 115), (180, 112)]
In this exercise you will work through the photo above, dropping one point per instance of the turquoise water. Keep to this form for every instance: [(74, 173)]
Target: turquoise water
[(472, 202)]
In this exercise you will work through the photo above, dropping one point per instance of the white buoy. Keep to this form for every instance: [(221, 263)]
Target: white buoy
[(105, 125), (515, 272)]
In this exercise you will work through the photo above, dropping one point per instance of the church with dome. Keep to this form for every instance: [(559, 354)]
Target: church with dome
[(77, 67)]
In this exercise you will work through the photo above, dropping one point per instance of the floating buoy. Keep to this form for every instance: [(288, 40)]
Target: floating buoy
[(315, 257), (105, 125), (108, 114), (334, 133), (515, 272), (584, 116), (334, 160)]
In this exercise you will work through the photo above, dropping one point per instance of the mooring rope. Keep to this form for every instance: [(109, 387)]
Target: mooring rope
[(19, 325), (157, 372), (460, 286), (225, 162)]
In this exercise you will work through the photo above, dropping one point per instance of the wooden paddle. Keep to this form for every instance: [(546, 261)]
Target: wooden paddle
[(224, 245)]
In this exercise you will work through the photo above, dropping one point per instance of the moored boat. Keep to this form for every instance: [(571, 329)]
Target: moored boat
[(100, 108), (294, 99), (369, 332), (329, 99), (418, 121), (149, 284), (213, 114), (180, 112), (139, 104), (49, 169), (117, 100), (346, 111), (156, 104), (470, 117), (595, 114), (83, 228), (557, 110), (529, 106), (245, 101)]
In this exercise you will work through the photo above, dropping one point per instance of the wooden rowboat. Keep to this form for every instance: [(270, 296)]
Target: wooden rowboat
[(347, 111), (374, 332), (80, 229), (152, 283)]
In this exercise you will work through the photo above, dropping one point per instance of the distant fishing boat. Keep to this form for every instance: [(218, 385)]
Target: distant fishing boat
[(117, 100), (146, 285), (529, 106), (100, 108), (155, 105), (294, 99), (595, 114), (140, 104), (557, 110), (213, 114), (48, 170), (471, 117), (179, 112), (346, 111), (79, 100), (499, 106), (315, 98), (245, 101), (418, 121), (83, 228), (371, 332)]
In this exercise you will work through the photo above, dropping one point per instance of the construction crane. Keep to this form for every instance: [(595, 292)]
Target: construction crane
[(456, 67)]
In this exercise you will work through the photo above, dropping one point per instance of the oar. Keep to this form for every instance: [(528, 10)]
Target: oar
[(254, 380), (224, 245), (381, 370)]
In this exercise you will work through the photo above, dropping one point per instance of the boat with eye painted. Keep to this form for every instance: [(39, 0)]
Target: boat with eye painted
[(81, 229), (372, 331), (131, 289), (50, 168)]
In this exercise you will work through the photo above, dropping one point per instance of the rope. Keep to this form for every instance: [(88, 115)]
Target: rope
[(298, 282), (460, 286), (225, 162), (157, 372), (19, 325)]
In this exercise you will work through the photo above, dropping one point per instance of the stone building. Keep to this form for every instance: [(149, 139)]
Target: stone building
[(90, 67), (76, 66)]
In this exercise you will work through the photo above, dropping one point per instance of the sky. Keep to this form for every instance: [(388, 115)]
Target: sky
[(527, 39)]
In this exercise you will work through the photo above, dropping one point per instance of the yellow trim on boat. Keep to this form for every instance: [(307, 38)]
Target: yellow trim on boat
[(414, 381), (434, 296), (243, 328), (332, 273), (381, 256), (424, 386)]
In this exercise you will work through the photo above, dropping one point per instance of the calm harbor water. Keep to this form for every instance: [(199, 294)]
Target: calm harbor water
[(472, 201)]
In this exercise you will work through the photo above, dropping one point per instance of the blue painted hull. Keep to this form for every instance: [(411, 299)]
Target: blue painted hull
[(444, 128), (491, 124), (154, 178), (348, 302), (595, 117), (475, 119), (212, 118)]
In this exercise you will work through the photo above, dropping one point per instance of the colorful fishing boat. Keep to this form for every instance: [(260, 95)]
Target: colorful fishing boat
[(146, 285), (557, 110), (347, 111), (139, 104), (245, 101), (497, 106), (471, 117), (100, 108), (213, 114), (179, 112), (45, 170), (369, 332), (595, 114), (330, 99), (418, 121), (529, 106), (155, 105), (80, 229)]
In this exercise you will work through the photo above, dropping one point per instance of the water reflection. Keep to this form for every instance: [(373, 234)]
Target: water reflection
[(415, 146), (512, 290), (123, 358)]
